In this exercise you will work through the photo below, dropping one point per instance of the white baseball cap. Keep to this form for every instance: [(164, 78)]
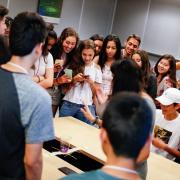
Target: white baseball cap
[(169, 96)]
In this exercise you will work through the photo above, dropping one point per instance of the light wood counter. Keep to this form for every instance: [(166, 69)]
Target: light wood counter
[(81, 135), (162, 168), (86, 137), (51, 164)]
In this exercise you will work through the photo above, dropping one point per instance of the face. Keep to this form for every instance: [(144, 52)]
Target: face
[(98, 46), (168, 109), (163, 66), (87, 56), (2, 26), (51, 42), (111, 49), (69, 44), (131, 45), (137, 59)]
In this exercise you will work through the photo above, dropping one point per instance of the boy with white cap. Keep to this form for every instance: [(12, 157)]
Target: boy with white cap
[(166, 139)]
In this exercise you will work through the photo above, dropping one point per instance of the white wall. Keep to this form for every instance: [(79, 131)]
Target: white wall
[(17, 6), (4, 2), (85, 16), (156, 21), (163, 28), (96, 17), (130, 18), (70, 15)]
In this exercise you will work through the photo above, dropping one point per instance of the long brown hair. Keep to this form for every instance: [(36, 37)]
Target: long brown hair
[(78, 64), (57, 49), (145, 69), (172, 69)]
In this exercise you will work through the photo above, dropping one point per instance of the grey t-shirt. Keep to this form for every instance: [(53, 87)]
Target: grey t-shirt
[(35, 109), (25, 118)]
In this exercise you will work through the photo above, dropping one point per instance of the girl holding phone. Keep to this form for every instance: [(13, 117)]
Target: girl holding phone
[(87, 77), (63, 54)]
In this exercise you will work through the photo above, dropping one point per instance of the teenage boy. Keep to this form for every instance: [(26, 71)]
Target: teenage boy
[(166, 141), (131, 44), (25, 108), (126, 126)]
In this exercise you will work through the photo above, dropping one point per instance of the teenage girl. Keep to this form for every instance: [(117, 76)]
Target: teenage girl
[(43, 70), (87, 77), (149, 79), (98, 42), (165, 70), (111, 52), (52, 37), (63, 52)]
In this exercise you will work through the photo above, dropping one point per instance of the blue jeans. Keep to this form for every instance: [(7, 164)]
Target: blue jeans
[(74, 110)]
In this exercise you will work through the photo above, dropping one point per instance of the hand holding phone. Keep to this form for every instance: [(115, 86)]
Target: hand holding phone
[(63, 79), (68, 73), (78, 78), (86, 76)]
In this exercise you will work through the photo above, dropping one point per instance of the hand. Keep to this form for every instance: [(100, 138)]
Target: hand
[(88, 79), (59, 61), (63, 79), (87, 113), (57, 67), (159, 143), (38, 79), (41, 78), (78, 78)]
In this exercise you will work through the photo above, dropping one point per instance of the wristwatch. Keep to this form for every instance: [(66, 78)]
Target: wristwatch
[(96, 120)]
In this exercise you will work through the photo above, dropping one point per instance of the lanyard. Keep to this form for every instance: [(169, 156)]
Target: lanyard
[(118, 168), (19, 67)]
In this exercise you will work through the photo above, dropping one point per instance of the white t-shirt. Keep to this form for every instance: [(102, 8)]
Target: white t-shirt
[(168, 131), (163, 85), (107, 78), (41, 65), (82, 92)]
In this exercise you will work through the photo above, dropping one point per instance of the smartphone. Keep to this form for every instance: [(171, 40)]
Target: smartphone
[(66, 170), (86, 76), (60, 73), (68, 72)]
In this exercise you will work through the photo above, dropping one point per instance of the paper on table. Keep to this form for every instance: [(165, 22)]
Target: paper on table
[(68, 152)]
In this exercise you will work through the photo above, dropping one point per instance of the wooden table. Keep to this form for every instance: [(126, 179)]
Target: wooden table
[(162, 168), (86, 137), (81, 135), (51, 164)]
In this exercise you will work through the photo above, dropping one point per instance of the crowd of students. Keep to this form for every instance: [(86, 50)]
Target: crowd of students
[(81, 77)]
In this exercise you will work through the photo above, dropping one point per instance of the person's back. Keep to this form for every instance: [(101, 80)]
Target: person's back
[(126, 127), (25, 110), (19, 98)]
